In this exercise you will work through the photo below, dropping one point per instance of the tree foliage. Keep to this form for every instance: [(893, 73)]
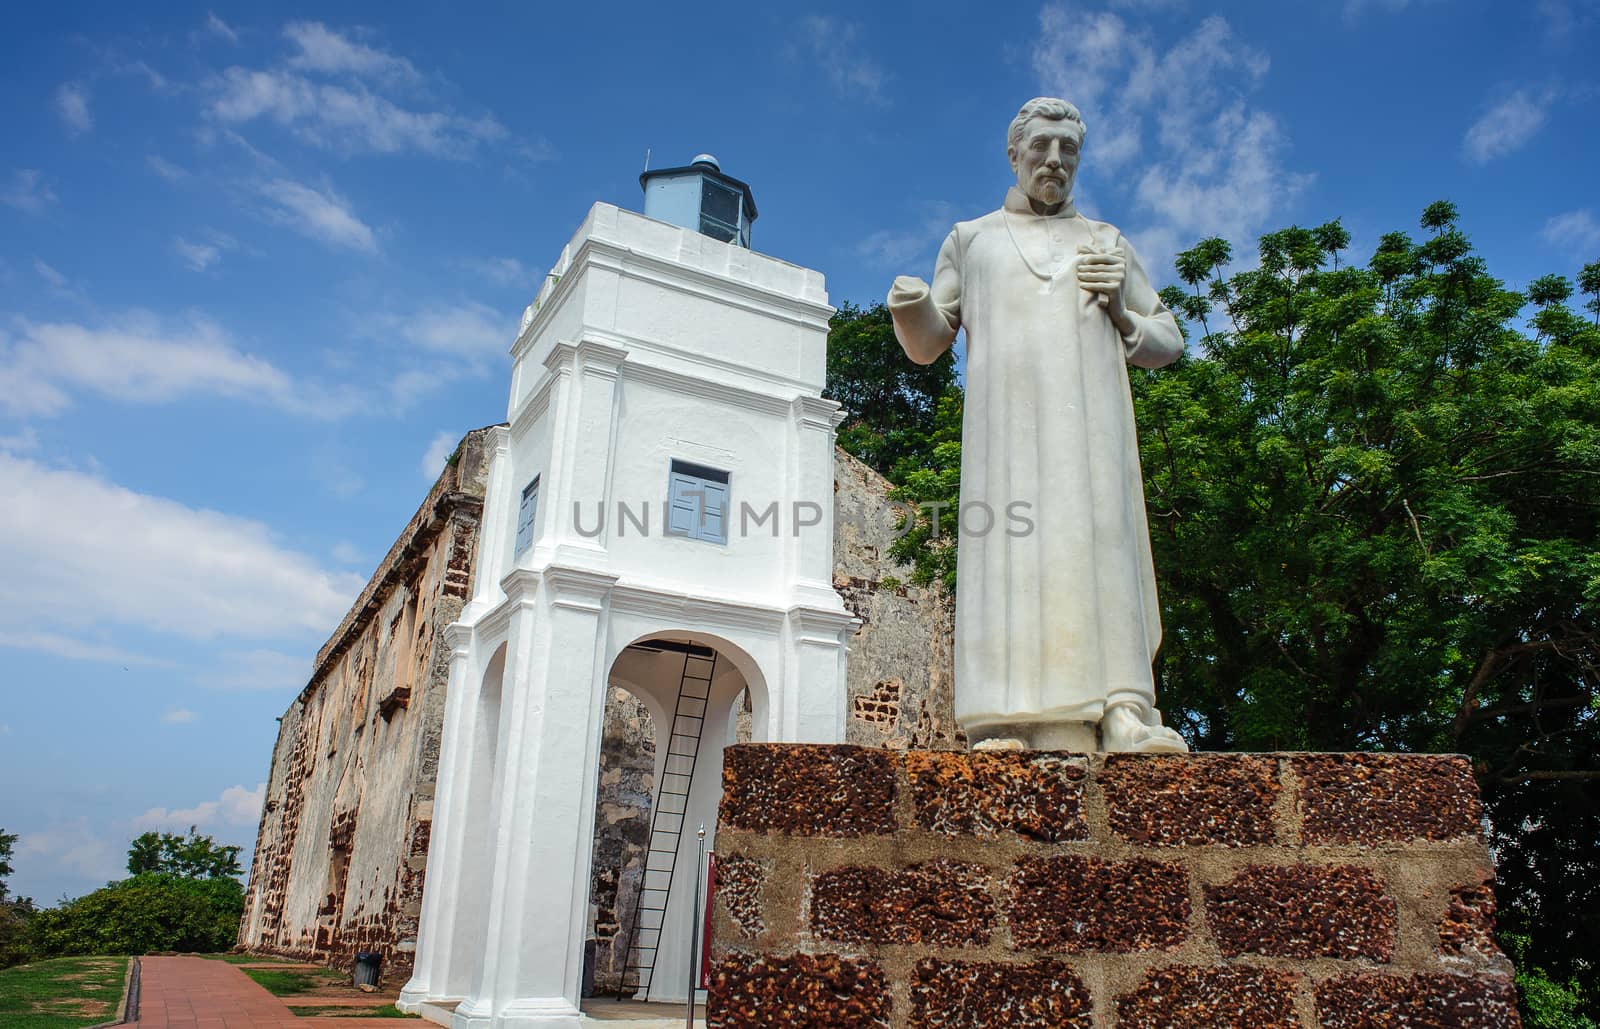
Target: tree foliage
[(189, 857), (15, 912), (1374, 503), (151, 911), (1374, 499), (890, 404)]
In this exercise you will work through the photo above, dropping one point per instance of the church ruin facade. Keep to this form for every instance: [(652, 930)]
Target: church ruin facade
[(497, 769)]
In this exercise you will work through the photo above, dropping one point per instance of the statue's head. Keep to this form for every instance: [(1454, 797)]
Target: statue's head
[(1043, 145)]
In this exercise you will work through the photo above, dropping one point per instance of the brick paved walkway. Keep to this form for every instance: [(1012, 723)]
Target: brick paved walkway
[(199, 993)]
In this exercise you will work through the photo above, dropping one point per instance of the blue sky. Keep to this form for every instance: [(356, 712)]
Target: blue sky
[(259, 271)]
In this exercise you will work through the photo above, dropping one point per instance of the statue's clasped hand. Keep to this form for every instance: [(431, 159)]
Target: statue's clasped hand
[(1103, 272)]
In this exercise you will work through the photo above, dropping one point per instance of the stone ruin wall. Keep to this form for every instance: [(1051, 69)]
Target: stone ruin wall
[(902, 660), (622, 829), (863, 888), (343, 839), (344, 835)]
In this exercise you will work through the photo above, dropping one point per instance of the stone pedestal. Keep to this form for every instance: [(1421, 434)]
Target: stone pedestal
[(1023, 888)]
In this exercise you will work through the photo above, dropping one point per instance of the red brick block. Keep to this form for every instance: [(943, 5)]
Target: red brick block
[(985, 995), (1304, 911), (987, 793), (1418, 1002), (1468, 924), (1386, 798), (1181, 997), (944, 903), (1221, 800), (799, 790), (801, 991), (739, 884), (1077, 904)]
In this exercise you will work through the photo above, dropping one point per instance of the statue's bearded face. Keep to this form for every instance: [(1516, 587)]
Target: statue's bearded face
[(1046, 161)]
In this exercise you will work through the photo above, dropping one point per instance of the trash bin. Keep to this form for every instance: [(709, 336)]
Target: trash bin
[(366, 973)]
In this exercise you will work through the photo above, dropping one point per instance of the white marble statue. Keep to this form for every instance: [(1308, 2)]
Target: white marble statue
[(1056, 614)]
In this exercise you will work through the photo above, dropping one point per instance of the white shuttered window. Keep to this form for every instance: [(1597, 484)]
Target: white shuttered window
[(525, 512), (697, 502)]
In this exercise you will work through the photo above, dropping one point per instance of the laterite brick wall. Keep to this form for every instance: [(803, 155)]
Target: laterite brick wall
[(1018, 889)]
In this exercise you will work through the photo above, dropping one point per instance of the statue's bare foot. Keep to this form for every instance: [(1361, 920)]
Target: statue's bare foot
[(1124, 730), (1000, 743)]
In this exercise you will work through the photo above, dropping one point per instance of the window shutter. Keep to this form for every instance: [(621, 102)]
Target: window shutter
[(714, 516), (683, 505), (525, 515)]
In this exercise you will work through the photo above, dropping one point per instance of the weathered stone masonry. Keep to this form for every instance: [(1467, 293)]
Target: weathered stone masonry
[(1025, 889), (343, 841), (342, 850)]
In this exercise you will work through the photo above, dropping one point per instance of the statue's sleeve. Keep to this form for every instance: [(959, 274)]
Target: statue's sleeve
[(926, 324), (1156, 340)]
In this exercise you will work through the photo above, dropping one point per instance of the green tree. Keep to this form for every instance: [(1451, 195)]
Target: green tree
[(151, 911), (1374, 504), (189, 857), (15, 912), (890, 403)]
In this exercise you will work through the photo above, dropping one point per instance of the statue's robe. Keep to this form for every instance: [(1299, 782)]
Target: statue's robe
[(1052, 622)]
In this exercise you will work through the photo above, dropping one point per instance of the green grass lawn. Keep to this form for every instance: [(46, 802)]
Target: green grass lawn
[(247, 959), (62, 993), (386, 1011), (287, 982)]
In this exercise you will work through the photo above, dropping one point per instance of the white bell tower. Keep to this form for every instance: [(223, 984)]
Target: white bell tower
[(659, 516)]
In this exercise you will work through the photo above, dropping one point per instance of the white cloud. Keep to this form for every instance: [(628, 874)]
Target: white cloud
[(75, 649), (1507, 125), (217, 27), (99, 555), (269, 670), (470, 330), (908, 248), (1575, 231), (23, 442), (833, 46), (138, 358), (200, 256), (236, 806), (348, 118), (5, 730), (179, 716), (505, 271), (322, 49), (72, 103), (438, 452), (164, 168), (27, 192), (1171, 123), (319, 214), (49, 274), (347, 553), (72, 847)]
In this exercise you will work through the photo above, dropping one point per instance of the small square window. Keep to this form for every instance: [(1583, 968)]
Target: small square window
[(697, 502), (525, 512)]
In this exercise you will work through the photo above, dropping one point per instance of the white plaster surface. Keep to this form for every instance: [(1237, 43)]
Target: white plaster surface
[(647, 343), (1056, 613)]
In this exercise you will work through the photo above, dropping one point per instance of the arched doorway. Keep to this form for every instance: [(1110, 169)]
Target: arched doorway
[(695, 688)]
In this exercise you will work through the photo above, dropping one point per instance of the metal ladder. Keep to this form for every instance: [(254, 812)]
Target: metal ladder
[(667, 818)]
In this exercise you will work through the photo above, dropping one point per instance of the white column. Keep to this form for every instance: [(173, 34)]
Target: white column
[(813, 702), (583, 431), (810, 564), (539, 891), (441, 882)]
